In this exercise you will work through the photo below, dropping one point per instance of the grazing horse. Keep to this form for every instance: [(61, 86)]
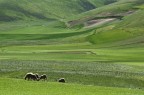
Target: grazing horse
[(31, 76), (44, 77), (61, 80)]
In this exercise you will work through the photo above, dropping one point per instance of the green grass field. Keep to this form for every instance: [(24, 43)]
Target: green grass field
[(50, 37), (21, 87)]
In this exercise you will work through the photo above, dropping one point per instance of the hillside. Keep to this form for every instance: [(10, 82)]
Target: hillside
[(94, 44), (126, 32), (49, 9), (118, 9), (49, 17)]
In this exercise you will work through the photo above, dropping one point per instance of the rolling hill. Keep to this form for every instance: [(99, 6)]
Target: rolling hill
[(48, 9), (125, 32), (49, 17)]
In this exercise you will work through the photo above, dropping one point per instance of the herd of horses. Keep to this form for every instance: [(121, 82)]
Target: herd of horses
[(37, 77)]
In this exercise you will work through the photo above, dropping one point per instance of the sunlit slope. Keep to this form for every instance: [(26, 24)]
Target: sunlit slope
[(119, 8), (127, 31)]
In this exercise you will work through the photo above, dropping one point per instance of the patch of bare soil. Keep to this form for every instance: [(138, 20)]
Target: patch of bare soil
[(94, 23)]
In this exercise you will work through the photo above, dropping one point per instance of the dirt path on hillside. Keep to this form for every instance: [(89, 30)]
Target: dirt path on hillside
[(94, 23)]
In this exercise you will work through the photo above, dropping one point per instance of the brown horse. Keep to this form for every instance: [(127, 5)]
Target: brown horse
[(31, 76), (43, 77)]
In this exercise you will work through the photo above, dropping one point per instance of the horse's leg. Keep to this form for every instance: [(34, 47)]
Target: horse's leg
[(25, 77), (29, 78)]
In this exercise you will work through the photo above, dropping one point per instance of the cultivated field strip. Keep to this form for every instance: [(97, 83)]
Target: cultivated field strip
[(90, 73)]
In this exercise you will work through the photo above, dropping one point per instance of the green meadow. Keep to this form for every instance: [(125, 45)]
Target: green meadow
[(21, 87), (74, 40)]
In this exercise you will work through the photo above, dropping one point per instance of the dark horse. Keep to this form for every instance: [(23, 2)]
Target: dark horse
[(37, 75), (31, 76), (61, 80), (44, 77)]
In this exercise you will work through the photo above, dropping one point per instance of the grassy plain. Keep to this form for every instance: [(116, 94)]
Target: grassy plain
[(105, 59), (21, 87)]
